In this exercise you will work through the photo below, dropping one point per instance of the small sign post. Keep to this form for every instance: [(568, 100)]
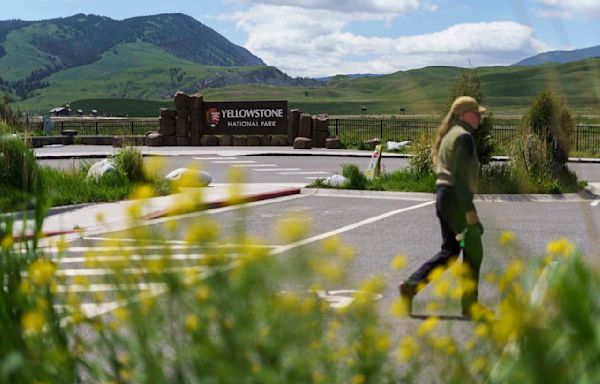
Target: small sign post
[(374, 168)]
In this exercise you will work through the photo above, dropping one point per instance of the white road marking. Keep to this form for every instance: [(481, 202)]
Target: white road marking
[(131, 271), (93, 288), (179, 245), (276, 169), (304, 173), (314, 178), (253, 165), (596, 203), (216, 158), (347, 228), (116, 258), (234, 162)]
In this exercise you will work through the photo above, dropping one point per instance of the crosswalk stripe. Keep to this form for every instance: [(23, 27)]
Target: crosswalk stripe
[(304, 173), (216, 158), (233, 162), (276, 169), (253, 165)]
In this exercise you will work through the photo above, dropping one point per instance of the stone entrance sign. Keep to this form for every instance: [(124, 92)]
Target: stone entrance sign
[(246, 118)]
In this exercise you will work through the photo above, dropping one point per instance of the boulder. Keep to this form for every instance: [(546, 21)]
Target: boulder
[(302, 143), (391, 145), (336, 181), (187, 177), (372, 143), (101, 168), (333, 143), (154, 139)]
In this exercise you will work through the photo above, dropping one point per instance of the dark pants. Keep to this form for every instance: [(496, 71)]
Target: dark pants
[(452, 220)]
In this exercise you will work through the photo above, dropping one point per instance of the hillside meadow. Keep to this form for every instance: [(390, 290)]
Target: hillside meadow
[(507, 90)]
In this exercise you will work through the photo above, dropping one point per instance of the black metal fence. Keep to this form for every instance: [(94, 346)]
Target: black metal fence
[(585, 138), (99, 127)]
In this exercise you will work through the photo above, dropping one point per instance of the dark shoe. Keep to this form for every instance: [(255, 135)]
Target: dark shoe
[(407, 292), (478, 312)]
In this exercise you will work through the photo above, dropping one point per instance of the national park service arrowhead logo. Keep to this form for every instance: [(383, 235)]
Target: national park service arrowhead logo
[(213, 117)]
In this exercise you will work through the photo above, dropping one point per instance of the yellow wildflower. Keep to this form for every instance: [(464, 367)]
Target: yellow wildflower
[(358, 379), (293, 228), (330, 244), (441, 288), (142, 192), (192, 322), (408, 348), (7, 242), (41, 271), (436, 273), (561, 247), (100, 217), (506, 238), (399, 262), (33, 321), (427, 326)]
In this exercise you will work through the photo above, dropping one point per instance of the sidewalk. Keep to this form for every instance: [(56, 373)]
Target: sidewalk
[(108, 217)]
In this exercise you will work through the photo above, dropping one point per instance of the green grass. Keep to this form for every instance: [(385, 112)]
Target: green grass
[(21, 56), (67, 187), (142, 71), (128, 71)]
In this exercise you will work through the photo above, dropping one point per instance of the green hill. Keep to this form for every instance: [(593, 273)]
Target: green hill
[(507, 90), (31, 51)]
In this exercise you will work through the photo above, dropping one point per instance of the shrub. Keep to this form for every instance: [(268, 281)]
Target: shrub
[(19, 174), (421, 164), (131, 162), (356, 178), (551, 121)]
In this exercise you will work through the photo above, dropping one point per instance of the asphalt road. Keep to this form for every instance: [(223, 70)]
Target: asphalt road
[(289, 169), (379, 227)]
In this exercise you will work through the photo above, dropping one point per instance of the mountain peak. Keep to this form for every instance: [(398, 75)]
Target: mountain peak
[(561, 57)]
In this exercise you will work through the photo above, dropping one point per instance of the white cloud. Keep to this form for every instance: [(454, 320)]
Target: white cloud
[(309, 42), (570, 8)]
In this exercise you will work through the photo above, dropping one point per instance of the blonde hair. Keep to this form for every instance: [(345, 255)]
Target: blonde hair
[(448, 122)]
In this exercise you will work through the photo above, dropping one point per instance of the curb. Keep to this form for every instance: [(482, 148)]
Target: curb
[(223, 203)]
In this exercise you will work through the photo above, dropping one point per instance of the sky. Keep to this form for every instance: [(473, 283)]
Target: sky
[(315, 38)]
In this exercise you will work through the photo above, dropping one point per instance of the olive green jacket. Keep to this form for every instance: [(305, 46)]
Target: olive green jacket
[(458, 164)]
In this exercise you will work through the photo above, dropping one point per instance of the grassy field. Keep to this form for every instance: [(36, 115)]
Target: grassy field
[(128, 71), (142, 72)]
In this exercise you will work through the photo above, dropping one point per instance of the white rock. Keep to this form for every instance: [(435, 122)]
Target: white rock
[(398, 145), (336, 181), (190, 177), (100, 168)]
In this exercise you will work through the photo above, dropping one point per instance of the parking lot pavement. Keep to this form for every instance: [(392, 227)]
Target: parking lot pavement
[(379, 226)]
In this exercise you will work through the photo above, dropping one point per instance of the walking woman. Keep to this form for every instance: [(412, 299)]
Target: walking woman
[(457, 169)]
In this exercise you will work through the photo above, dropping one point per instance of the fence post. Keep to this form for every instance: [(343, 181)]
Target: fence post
[(96, 128), (577, 137), (131, 127), (337, 132), (381, 129)]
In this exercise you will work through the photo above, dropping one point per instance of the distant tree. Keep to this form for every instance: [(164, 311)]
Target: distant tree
[(553, 123), (469, 84)]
